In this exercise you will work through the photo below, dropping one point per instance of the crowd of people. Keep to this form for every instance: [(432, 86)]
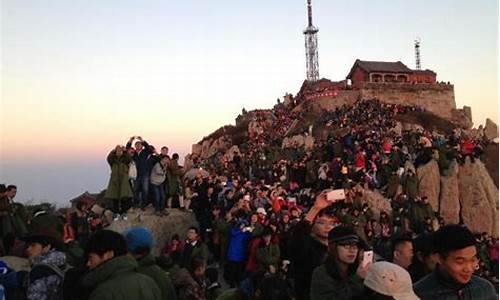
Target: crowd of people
[(267, 227)]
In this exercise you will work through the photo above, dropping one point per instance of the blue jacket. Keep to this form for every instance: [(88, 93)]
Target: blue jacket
[(237, 246), (435, 286)]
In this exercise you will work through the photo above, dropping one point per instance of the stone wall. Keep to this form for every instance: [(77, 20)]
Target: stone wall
[(330, 103), (437, 98)]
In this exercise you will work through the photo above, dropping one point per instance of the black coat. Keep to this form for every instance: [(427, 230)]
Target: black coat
[(306, 253)]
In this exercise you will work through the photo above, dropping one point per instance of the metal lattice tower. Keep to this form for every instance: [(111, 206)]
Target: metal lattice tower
[(311, 43), (417, 54)]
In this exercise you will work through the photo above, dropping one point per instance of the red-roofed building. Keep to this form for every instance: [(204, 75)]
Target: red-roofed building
[(381, 71)]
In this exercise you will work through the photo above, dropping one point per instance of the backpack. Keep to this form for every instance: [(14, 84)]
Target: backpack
[(52, 270)]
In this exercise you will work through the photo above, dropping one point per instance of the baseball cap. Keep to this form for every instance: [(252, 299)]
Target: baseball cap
[(261, 210), (391, 280), (138, 237)]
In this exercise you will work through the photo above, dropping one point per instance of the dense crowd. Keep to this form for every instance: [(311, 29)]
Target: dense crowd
[(266, 225)]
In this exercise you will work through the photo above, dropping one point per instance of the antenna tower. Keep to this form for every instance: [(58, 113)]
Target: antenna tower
[(311, 43), (417, 54)]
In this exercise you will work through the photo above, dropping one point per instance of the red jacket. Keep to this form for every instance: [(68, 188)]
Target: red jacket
[(466, 147), (359, 160)]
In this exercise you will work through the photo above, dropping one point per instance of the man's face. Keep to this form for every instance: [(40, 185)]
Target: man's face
[(460, 264), (347, 253), (164, 151), (94, 260), (192, 235), (403, 254), (138, 146), (12, 193), (34, 250), (322, 226)]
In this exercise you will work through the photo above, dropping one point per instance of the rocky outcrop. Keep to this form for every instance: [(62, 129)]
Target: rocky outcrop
[(205, 146), (188, 162), (162, 228), (478, 198), (196, 149), (490, 130), (449, 205), (490, 159), (429, 182), (464, 193), (462, 117)]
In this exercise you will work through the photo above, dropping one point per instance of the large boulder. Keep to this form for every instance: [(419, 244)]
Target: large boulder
[(478, 198), (205, 146), (196, 149), (462, 117), (162, 228), (429, 181), (449, 204), (490, 130), (219, 145)]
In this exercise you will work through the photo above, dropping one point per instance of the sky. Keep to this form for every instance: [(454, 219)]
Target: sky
[(79, 77)]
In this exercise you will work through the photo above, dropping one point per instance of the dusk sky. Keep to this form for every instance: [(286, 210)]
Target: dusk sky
[(79, 77)]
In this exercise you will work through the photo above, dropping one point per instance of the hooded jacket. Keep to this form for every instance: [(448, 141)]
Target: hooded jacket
[(43, 282), (117, 279)]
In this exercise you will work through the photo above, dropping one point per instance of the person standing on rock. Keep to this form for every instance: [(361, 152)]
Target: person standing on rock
[(119, 190), (173, 186), (454, 276), (142, 164), (158, 176)]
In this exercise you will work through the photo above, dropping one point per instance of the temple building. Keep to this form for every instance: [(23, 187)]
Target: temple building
[(381, 71)]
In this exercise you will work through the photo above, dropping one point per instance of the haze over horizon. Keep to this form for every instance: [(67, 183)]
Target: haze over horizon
[(79, 77)]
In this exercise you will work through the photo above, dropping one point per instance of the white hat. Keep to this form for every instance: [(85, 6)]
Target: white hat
[(261, 210), (390, 280)]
